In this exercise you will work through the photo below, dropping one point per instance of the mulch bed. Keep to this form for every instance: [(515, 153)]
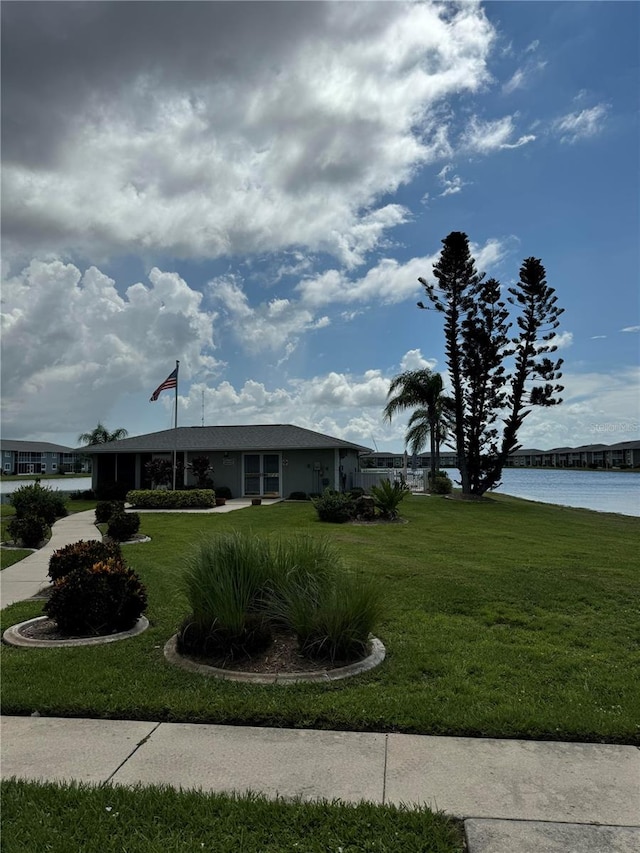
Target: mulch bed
[(282, 656), (47, 629)]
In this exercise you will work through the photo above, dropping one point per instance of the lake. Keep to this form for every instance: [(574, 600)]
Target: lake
[(604, 491), (62, 484)]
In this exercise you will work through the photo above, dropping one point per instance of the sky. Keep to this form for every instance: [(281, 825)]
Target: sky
[(253, 189)]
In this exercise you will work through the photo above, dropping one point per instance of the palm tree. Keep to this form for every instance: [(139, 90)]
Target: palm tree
[(101, 435), (421, 390)]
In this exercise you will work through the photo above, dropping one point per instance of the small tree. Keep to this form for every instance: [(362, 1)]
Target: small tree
[(478, 344), (201, 468), (159, 471)]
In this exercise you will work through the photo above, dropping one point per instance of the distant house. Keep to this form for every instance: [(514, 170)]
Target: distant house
[(37, 457), (271, 460)]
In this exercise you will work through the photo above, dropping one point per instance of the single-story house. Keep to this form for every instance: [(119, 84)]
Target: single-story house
[(38, 457), (271, 460)]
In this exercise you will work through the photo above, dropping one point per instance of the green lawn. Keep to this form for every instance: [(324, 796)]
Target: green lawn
[(66, 818), (504, 618)]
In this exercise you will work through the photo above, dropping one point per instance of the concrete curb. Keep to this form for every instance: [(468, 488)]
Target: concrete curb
[(13, 637), (325, 676)]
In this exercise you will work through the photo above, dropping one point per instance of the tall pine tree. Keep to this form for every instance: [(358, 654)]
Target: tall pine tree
[(493, 375)]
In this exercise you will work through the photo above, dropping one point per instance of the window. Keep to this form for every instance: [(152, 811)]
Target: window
[(7, 466)]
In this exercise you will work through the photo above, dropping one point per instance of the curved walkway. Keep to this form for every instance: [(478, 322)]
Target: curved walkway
[(524, 796), (29, 576)]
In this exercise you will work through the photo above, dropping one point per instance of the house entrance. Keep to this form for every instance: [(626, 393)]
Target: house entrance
[(262, 475)]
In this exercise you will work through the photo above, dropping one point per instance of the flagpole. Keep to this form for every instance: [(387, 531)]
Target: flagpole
[(175, 432)]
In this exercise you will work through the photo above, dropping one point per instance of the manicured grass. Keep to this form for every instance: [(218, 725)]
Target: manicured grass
[(504, 618), (66, 818)]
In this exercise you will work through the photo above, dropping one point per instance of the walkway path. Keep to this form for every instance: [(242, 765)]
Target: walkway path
[(515, 796)]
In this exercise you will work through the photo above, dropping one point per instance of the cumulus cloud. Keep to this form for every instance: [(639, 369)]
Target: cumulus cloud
[(483, 137), (223, 128), (580, 125), (72, 344), (414, 360)]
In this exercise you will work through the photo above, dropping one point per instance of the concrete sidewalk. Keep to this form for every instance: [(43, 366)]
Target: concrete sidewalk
[(515, 796), (29, 576)]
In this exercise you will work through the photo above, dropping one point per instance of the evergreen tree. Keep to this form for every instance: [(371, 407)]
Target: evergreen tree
[(478, 346)]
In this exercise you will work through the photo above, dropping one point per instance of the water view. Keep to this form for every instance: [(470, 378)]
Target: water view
[(604, 491)]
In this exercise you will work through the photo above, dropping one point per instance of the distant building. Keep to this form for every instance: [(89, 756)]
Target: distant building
[(625, 454), (39, 457)]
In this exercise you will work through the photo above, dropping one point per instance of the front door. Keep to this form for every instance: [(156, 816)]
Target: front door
[(262, 475)]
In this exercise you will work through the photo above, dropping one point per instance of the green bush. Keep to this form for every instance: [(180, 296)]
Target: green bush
[(105, 509), (333, 506), (225, 585), (157, 499), (36, 500), (442, 484), (103, 599), (29, 530), (387, 497), (81, 555), (123, 526), (223, 492)]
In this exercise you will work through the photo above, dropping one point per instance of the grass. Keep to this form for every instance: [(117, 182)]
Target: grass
[(112, 819), (504, 618)]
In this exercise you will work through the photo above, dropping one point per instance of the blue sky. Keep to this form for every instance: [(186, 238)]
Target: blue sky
[(254, 189)]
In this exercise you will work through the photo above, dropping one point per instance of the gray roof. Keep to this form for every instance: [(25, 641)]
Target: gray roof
[(34, 446), (210, 438)]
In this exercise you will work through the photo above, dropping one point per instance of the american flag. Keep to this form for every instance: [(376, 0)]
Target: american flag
[(170, 382)]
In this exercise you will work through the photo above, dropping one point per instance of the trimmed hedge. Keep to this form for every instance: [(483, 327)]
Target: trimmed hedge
[(158, 499)]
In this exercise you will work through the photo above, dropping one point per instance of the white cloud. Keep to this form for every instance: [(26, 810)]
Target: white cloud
[(483, 137), (414, 360), (560, 341), (581, 125), (522, 77), (451, 185), (276, 129), (533, 46), (71, 344), (631, 329), (598, 337), (271, 325)]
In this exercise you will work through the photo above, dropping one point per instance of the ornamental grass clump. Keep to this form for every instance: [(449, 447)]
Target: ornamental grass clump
[(225, 583), (81, 555), (331, 612), (106, 598), (242, 588)]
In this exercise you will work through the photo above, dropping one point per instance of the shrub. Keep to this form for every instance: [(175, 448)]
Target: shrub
[(80, 495), (298, 496), (225, 585), (356, 492), (387, 497), (105, 509), (442, 484), (201, 468), (30, 530), (159, 471), (81, 555), (111, 491), (223, 492), (36, 500), (153, 499), (334, 506), (105, 598), (123, 526)]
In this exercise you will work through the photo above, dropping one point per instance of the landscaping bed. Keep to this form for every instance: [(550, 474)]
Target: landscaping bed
[(504, 618)]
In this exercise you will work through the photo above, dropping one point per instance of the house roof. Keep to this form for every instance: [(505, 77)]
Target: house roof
[(34, 446), (210, 438)]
